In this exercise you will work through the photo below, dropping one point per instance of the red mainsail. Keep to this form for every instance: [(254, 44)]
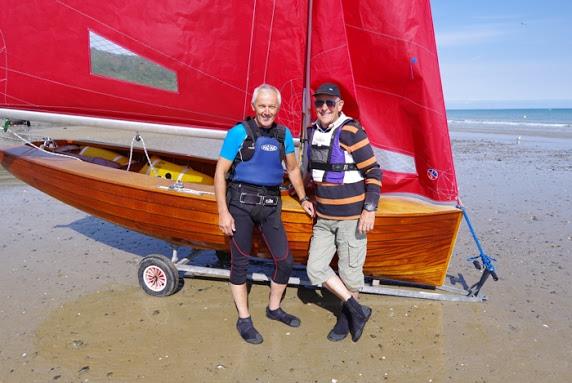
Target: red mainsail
[(197, 62)]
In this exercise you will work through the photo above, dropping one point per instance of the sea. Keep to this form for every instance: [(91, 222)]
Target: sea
[(533, 126), (548, 118)]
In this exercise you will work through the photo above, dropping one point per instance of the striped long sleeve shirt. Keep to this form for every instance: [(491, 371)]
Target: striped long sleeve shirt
[(346, 201)]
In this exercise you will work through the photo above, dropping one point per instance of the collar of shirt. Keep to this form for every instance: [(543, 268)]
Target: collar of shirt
[(341, 119)]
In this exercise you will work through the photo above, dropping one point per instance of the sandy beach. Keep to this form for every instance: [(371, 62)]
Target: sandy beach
[(72, 309)]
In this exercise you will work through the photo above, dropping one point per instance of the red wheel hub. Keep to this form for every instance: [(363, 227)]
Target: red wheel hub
[(155, 278)]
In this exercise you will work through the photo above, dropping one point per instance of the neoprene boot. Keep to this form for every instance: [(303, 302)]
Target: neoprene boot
[(342, 327), (359, 315), (247, 331), (282, 316)]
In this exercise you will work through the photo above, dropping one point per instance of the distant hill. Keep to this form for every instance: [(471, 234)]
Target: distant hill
[(132, 68)]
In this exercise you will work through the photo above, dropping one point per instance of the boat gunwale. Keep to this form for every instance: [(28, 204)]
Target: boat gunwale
[(207, 191)]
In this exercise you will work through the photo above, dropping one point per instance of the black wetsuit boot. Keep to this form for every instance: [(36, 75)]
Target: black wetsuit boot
[(342, 327), (247, 331), (282, 316), (359, 315)]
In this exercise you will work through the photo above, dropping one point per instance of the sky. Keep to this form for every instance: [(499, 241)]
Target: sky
[(505, 53)]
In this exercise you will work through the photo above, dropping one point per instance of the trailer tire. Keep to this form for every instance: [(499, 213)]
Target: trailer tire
[(158, 276)]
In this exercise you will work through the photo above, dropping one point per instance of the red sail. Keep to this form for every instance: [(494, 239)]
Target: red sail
[(211, 53), (196, 63), (383, 53)]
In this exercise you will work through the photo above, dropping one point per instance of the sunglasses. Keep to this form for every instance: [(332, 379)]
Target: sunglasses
[(329, 103)]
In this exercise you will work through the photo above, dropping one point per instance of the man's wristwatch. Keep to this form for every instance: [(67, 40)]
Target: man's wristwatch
[(368, 206), (304, 199)]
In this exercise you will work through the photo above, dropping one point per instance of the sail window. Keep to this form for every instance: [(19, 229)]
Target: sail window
[(395, 162), (111, 60)]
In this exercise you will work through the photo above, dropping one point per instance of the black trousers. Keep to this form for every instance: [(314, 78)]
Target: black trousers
[(269, 221)]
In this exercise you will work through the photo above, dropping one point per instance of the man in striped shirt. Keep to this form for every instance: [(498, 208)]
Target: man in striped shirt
[(348, 185)]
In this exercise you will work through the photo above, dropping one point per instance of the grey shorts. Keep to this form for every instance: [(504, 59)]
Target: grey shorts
[(330, 236)]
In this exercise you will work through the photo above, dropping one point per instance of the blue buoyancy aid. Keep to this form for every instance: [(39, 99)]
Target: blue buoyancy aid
[(265, 166)]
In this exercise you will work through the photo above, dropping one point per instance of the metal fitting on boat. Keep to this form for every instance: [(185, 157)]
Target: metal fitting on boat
[(177, 185), (48, 143)]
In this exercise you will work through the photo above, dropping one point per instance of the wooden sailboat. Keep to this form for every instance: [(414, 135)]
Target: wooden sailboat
[(412, 240), (150, 67)]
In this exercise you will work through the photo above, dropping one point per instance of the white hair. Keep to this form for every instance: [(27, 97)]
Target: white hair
[(266, 87)]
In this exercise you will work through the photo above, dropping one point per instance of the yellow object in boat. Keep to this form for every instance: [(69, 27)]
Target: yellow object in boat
[(171, 171), (91, 152)]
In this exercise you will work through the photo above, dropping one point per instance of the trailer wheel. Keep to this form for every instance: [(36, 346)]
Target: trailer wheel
[(158, 276)]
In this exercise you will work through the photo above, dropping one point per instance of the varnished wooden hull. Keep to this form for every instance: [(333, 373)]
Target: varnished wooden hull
[(412, 240)]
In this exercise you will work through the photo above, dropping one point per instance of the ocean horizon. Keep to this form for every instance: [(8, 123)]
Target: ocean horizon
[(531, 117), (549, 128)]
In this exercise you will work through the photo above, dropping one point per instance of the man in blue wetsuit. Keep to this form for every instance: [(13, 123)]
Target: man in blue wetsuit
[(251, 160)]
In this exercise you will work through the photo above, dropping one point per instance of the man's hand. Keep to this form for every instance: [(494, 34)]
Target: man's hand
[(308, 208), (366, 221), (226, 223)]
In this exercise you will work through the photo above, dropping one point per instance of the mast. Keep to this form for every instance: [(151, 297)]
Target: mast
[(306, 97)]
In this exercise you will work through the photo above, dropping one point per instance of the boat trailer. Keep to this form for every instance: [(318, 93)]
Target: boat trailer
[(160, 276)]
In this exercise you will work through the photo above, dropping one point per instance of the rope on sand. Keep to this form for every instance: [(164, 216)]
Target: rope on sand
[(487, 262)]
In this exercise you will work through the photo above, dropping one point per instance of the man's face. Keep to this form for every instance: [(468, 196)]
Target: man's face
[(266, 108), (328, 109)]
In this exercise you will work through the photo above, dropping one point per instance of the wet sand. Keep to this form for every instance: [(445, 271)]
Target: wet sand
[(72, 309)]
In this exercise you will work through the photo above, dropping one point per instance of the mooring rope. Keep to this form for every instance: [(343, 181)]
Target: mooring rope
[(485, 259), (487, 262)]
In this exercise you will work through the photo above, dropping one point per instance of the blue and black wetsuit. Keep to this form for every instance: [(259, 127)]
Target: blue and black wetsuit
[(254, 195)]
